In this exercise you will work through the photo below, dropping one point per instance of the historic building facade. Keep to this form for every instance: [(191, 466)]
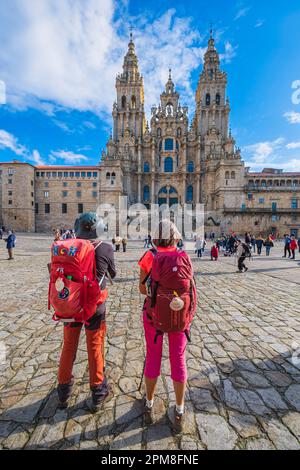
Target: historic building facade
[(169, 161)]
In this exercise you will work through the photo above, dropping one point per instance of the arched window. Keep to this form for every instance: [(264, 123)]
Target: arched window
[(169, 145), (146, 193), (207, 99), (177, 145), (179, 132), (133, 102), (189, 194), (159, 132), (218, 99), (233, 175), (108, 176), (113, 176), (168, 165), (160, 146), (123, 102), (163, 190), (172, 190), (146, 167), (190, 167), (227, 175)]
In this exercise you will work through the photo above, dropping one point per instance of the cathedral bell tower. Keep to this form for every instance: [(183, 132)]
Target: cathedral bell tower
[(128, 110), (212, 107)]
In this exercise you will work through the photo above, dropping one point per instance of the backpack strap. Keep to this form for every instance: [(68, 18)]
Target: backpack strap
[(154, 252), (154, 294)]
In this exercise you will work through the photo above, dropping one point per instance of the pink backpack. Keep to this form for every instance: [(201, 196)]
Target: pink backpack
[(74, 290), (173, 292)]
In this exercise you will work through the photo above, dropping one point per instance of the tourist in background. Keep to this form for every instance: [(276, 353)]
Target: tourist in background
[(241, 256), (10, 244), (269, 244), (214, 254), (293, 247), (259, 244), (287, 243), (124, 243), (199, 247), (299, 244), (253, 243), (118, 241)]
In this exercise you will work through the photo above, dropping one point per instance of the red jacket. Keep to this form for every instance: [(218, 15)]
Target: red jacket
[(293, 245), (214, 252)]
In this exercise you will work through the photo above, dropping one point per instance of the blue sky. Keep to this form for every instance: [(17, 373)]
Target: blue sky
[(61, 57)]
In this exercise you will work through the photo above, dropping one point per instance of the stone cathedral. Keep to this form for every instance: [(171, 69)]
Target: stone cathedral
[(167, 161), (173, 161)]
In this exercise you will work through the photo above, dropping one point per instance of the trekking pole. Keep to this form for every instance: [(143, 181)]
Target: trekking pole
[(141, 382)]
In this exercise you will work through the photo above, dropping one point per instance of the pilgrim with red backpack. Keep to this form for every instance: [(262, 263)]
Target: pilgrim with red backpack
[(167, 281), (77, 294)]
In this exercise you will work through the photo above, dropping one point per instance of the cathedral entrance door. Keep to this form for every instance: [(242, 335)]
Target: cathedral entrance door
[(168, 195)]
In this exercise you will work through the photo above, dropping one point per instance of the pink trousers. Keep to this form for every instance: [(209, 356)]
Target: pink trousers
[(177, 346)]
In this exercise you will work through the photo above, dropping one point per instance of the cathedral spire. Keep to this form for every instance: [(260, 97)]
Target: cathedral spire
[(170, 87), (130, 66)]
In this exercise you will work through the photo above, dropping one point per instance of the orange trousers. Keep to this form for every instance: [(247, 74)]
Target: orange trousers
[(95, 349)]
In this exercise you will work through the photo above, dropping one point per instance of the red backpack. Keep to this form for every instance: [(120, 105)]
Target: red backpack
[(173, 292), (74, 290)]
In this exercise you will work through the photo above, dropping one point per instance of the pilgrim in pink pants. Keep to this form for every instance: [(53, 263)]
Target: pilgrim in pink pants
[(177, 345)]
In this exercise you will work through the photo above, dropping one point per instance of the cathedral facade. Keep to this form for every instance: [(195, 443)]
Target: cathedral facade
[(170, 160)]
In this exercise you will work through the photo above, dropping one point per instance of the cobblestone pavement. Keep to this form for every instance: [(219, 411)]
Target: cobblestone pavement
[(243, 388)]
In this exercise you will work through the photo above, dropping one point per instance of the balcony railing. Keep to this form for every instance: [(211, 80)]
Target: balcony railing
[(260, 210)]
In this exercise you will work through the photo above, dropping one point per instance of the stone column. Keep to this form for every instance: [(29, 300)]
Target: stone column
[(139, 173), (184, 148), (153, 174)]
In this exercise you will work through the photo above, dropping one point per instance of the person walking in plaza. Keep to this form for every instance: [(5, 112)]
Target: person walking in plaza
[(124, 244), (10, 244), (166, 295), (287, 243), (299, 244), (199, 247), (293, 247), (259, 244), (118, 241), (214, 253), (95, 328), (253, 243), (57, 235), (241, 253), (269, 244)]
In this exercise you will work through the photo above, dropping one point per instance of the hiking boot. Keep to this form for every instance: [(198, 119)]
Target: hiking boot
[(246, 269), (100, 394), (64, 392), (147, 412), (179, 421)]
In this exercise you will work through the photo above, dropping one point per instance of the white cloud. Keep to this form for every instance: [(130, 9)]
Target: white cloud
[(290, 165), (10, 142), (67, 157), (259, 23), (293, 145), (262, 151), (66, 54), (292, 117), (230, 52), (241, 13), (36, 158)]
